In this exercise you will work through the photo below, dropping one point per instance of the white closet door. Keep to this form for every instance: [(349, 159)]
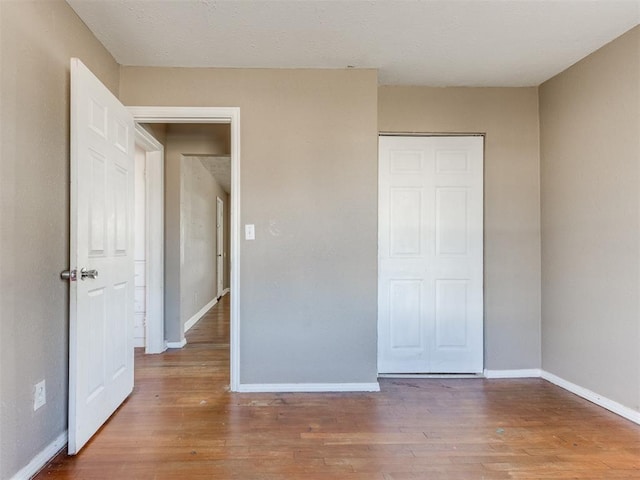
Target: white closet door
[(430, 258)]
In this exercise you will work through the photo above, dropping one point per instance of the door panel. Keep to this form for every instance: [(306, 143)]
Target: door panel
[(101, 216), (430, 255)]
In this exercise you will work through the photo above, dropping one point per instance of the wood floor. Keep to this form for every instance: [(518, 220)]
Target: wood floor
[(182, 423)]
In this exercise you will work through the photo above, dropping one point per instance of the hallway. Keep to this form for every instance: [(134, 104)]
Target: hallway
[(182, 423)]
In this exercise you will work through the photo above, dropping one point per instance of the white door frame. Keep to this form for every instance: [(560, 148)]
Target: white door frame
[(154, 245), (230, 115), (449, 135), (219, 247)]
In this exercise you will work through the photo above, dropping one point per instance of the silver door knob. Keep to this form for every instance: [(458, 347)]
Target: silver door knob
[(84, 273), (68, 275)]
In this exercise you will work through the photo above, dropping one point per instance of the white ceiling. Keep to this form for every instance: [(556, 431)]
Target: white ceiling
[(410, 42)]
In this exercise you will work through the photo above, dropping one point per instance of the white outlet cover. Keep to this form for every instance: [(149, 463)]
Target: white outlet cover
[(250, 231), (39, 395)]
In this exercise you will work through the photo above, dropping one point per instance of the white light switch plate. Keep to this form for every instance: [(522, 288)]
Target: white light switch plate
[(249, 231)]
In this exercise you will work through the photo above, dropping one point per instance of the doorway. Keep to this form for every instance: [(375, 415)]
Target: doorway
[(430, 255), (203, 115), (149, 251)]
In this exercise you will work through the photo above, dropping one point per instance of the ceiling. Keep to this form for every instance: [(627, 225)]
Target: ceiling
[(219, 166), (409, 42)]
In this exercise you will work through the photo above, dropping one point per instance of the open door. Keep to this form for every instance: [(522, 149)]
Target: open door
[(102, 268)]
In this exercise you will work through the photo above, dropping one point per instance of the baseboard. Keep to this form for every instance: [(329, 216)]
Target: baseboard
[(193, 320), (308, 387), (180, 344), (224, 292), (41, 459), (430, 375), (593, 397), (522, 373), (138, 342)]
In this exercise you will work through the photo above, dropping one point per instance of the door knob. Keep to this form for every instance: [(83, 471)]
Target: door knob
[(70, 275), (84, 273)]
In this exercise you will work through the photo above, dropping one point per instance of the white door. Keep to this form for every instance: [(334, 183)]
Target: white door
[(220, 245), (430, 233), (101, 218)]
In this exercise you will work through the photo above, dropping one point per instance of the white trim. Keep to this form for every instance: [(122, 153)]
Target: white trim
[(225, 291), (430, 375), (41, 459), (154, 217), (229, 115), (309, 387), (179, 344), (220, 257), (138, 342), (193, 320), (593, 397), (522, 373)]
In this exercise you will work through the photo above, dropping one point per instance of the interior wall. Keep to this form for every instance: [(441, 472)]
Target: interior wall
[(590, 150), (198, 221), (183, 294), (309, 184), (509, 118), (37, 39)]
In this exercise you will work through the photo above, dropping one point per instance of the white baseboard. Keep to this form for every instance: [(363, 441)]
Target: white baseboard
[(225, 291), (180, 344), (193, 320), (308, 387), (138, 342), (593, 397), (42, 458), (430, 375), (522, 373)]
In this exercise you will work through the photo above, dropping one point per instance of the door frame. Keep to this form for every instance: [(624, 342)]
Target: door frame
[(154, 341), (226, 115), (484, 157), (219, 247)]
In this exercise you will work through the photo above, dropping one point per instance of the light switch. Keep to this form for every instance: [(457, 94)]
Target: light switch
[(249, 231)]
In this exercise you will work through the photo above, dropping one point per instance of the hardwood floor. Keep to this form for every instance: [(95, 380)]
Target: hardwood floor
[(182, 423)]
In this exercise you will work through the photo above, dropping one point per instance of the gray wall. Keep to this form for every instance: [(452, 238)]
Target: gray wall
[(590, 130), (37, 40), (198, 283), (509, 117), (309, 184)]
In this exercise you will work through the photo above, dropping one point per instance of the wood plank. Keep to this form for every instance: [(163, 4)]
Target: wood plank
[(182, 422)]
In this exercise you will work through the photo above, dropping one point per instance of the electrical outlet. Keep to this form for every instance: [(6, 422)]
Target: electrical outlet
[(39, 395)]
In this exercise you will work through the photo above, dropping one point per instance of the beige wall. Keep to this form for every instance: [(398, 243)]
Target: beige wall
[(509, 118), (37, 40), (590, 129), (309, 184)]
